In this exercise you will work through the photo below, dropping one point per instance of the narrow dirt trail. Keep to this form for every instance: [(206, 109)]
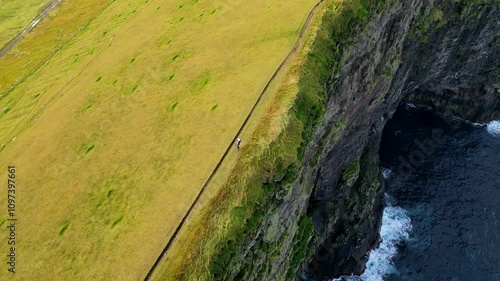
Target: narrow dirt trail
[(294, 50), (29, 28)]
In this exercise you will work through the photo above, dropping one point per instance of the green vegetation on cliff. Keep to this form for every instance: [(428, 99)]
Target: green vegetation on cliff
[(212, 244)]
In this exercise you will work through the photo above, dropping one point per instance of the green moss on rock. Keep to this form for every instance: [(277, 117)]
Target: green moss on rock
[(301, 239), (351, 173)]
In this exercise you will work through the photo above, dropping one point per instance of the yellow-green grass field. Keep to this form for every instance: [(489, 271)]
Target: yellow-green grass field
[(15, 15), (116, 112)]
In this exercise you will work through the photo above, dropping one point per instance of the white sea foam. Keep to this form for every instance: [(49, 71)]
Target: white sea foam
[(386, 173), (396, 227), (494, 128)]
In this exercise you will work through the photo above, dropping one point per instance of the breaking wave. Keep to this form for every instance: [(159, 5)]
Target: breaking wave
[(386, 173), (396, 228), (494, 128)]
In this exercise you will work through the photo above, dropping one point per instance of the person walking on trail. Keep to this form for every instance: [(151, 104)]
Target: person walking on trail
[(238, 143)]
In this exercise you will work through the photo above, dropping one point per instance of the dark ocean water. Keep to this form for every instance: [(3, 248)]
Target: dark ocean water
[(442, 219), (444, 175)]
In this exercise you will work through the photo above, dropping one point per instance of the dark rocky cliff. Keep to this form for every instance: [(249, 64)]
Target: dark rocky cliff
[(444, 54), (456, 67)]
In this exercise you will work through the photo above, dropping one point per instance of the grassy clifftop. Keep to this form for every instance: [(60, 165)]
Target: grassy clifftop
[(210, 246), (114, 117), (116, 112)]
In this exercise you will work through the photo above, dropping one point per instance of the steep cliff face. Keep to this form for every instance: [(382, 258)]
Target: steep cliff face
[(346, 208), (455, 68), (441, 53)]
